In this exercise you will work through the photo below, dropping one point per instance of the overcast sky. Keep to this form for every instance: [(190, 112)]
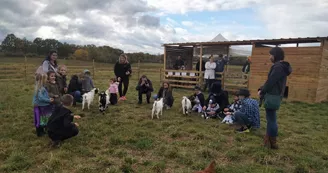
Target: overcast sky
[(143, 25)]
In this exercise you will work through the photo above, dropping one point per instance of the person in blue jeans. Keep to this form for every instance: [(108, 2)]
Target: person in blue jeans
[(274, 86), (249, 115), (75, 88)]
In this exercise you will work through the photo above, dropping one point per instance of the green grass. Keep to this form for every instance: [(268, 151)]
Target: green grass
[(125, 139)]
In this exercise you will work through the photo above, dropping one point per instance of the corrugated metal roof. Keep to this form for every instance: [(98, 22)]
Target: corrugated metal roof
[(249, 42)]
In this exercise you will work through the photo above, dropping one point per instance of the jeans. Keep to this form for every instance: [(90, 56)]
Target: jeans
[(272, 126), (125, 82), (242, 119), (208, 83), (77, 96)]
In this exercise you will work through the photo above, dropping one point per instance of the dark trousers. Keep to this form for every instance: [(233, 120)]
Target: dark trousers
[(242, 119), (208, 83), (60, 137), (142, 91), (272, 126), (125, 82), (113, 98), (169, 101)]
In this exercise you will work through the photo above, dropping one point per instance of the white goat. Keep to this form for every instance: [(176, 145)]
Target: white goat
[(157, 108), (88, 97), (186, 105)]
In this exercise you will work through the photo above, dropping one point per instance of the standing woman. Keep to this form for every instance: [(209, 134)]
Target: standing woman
[(50, 63), (122, 70), (273, 92), (209, 75)]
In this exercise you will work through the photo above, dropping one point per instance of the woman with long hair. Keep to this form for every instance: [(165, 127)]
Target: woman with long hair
[(50, 63), (122, 70)]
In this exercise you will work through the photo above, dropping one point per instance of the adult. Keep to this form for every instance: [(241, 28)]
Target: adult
[(220, 96), (247, 65), (122, 70), (144, 86), (273, 91), (198, 65), (209, 75), (220, 63), (178, 63), (249, 115), (50, 63)]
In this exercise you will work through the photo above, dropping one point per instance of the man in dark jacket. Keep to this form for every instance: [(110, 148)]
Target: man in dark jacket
[(274, 87), (198, 64), (178, 63), (144, 86), (219, 95), (60, 124), (247, 66)]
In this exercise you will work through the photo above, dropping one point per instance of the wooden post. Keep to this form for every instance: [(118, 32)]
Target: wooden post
[(164, 61), (138, 68), (25, 69), (200, 66), (93, 68)]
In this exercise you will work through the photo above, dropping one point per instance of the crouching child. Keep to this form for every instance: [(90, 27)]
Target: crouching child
[(199, 100), (212, 110), (60, 124)]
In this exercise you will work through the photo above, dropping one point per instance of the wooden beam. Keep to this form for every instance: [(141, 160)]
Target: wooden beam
[(200, 65)]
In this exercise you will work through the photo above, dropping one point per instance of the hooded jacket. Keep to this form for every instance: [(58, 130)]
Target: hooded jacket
[(87, 84), (220, 96), (74, 84), (121, 69), (60, 121), (277, 78), (144, 88)]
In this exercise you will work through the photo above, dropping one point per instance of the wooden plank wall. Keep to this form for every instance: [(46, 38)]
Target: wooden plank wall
[(302, 83), (322, 91)]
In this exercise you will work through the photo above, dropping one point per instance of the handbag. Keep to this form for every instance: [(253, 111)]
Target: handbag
[(272, 101)]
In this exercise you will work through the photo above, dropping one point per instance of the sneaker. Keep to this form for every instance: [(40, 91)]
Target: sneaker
[(243, 130), (124, 98)]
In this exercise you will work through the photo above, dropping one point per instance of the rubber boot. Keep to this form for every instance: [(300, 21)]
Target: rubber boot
[(266, 141), (273, 142)]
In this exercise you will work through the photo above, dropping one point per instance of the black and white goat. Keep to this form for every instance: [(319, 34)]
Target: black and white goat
[(103, 101), (88, 97)]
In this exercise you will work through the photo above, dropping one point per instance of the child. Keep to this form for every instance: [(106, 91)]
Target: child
[(75, 88), (42, 104), (87, 83), (235, 106), (212, 110), (52, 87), (113, 90), (60, 124), (165, 92), (61, 79), (199, 100)]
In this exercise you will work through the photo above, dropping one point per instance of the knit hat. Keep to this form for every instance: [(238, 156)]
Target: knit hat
[(243, 92)]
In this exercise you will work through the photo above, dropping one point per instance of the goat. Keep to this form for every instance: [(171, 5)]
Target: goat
[(88, 97), (157, 108), (103, 101), (186, 105)]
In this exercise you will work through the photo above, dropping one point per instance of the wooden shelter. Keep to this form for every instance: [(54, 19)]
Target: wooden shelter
[(307, 83)]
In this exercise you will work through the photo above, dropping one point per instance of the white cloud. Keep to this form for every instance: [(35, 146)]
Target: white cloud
[(187, 23)]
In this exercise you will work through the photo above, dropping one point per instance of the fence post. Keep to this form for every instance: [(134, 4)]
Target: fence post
[(138, 69), (160, 75), (93, 68), (25, 69)]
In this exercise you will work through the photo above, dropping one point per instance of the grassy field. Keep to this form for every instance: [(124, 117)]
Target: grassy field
[(125, 139)]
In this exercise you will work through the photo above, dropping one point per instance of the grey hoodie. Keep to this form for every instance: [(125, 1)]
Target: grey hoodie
[(87, 84), (277, 78)]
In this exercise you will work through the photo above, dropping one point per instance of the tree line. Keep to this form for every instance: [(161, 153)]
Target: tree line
[(13, 46)]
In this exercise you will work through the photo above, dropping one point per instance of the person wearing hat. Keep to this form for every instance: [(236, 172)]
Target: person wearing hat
[(87, 83), (249, 115), (199, 100), (272, 92)]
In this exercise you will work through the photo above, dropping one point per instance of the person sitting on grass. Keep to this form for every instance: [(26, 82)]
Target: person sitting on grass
[(60, 124), (249, 115), (212, 110), (165, 92), (87, 83), (199, 101), (234, 106), (144, 86), (219, 95), (75, 89)]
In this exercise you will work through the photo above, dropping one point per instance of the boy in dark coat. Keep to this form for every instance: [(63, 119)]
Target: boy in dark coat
[(144, 86), (60, 125)]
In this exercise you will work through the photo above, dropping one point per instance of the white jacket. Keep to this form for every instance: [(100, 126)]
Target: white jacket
[(210, 70)]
